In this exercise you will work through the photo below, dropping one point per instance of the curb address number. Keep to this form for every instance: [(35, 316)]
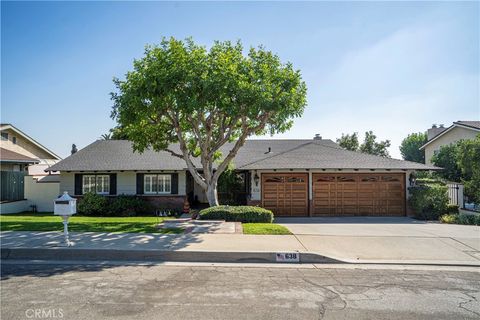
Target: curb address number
[(288, 257)]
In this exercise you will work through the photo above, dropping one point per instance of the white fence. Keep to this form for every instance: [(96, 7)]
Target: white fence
[(455, 194)]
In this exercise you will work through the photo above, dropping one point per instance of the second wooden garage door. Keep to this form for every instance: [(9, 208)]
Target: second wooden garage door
[(358, 194), (286, 194)]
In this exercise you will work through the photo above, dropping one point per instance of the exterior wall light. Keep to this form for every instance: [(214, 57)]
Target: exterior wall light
[(256, 179)]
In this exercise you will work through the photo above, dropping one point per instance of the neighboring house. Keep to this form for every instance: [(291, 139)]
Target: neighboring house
[(291, 177), (440, 136), (24, 181)]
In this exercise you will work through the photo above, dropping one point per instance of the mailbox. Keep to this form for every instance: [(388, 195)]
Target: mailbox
[(65, 205)]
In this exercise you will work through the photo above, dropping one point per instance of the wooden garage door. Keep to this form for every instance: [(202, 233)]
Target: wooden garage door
[(286, 194), (359, 194)]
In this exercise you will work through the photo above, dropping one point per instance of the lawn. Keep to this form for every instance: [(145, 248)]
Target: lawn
[(264, 228), (49, 222)]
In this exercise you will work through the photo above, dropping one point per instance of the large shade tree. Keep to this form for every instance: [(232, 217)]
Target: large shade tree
[(202, 99)]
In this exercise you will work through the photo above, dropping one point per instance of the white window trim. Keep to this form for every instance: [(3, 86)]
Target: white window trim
[(103, 176), (151, 176), (161, 179), (95, 177)]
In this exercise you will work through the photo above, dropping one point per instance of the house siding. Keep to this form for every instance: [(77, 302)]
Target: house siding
[(454, 135), (23, 146), (126, 182)]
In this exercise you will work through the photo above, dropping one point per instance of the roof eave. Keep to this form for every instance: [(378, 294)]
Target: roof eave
[(455, 124)]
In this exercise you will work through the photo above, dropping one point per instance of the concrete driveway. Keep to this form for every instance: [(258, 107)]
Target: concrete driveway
[(371, 239)]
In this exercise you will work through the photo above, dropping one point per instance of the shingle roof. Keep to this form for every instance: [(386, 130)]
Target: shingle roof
[(316, 156), (472, 124), (118, 155), (11, 156)]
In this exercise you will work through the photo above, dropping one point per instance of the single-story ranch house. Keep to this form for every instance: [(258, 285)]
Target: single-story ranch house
[(291, 177)]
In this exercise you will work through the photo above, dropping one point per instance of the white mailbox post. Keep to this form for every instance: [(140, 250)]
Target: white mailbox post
[(65, 206)]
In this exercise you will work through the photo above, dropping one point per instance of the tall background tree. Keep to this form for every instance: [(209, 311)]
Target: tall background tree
[(461, 163), (410, 147), (369, 144), (180, 92), (349, 141), (446, 158)]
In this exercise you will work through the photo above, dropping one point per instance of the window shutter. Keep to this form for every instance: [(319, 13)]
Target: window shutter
[(174, 188), (78, 184), (113, 184), (140, 183)]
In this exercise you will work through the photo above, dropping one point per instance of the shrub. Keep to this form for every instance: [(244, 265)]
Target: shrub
[(93, 204), (429, 181), (429, 201), (237, 213), (452, 209), (462, 218), (126, 206), (448, 218)]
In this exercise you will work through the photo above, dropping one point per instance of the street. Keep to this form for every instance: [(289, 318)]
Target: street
[(80, 291)]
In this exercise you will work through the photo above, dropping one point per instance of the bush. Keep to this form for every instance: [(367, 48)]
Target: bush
[(429, 181), (237, 213), (452, 209), (465, 219), (462, 218), (127, 206), (448, 218), (429, 201), (93, 204)]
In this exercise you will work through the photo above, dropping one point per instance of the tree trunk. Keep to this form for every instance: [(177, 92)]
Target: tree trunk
[(211, 194)]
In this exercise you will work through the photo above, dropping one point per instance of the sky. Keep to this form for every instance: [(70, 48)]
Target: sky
[(390, 67)]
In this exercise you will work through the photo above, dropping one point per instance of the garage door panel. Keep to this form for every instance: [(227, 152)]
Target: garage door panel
[(286, 194), (359, 194)]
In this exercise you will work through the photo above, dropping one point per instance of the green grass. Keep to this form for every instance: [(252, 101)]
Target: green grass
[(264, 228), (49, 222)]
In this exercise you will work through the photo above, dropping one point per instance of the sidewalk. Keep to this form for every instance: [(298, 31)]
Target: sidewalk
[(238, 248)]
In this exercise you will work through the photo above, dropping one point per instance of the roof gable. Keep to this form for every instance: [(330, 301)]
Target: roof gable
[(471, 125), (6, 126)]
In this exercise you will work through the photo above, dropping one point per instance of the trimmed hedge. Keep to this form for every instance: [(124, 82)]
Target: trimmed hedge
[(237, 213), (93, 204)]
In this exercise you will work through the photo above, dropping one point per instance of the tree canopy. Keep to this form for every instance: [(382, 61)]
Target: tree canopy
[(446, 158), (461, 163), (180, 92), (410, 147), (369, 144)]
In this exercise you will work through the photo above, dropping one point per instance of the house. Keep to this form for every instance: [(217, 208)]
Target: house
[(291, 177), (25, 183), (440, 136)]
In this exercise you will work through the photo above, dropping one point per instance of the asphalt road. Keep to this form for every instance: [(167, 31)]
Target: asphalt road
[(59, 291)]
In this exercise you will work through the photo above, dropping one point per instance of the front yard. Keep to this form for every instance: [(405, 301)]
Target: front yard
[(49, 222), (265, 228)]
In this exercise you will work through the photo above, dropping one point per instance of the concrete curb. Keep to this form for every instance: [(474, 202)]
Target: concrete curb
[(153, 255)]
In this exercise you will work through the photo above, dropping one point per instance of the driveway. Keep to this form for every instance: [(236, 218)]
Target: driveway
[(371, 239)]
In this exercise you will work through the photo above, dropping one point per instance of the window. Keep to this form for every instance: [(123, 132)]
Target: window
[(157, 183), (96, 183), (14, 140), (4, 136)]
